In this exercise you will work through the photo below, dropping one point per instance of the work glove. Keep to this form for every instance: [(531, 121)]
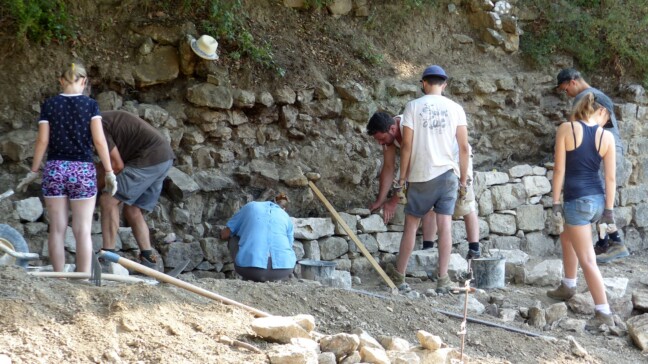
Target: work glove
[(608, 217), (25, 182), (463, 191), (557, 217), (111, 183)]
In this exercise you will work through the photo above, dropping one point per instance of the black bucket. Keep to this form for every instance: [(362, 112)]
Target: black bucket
[(317, 270), (489, 272)]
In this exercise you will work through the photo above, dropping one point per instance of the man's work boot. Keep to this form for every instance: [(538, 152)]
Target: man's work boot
[(614, 251), (444, 284), (562, 293), (150, 262), (397, 277), (599, 319), (473, 254)]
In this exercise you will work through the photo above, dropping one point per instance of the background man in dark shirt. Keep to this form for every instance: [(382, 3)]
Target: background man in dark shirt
[(141, 158)]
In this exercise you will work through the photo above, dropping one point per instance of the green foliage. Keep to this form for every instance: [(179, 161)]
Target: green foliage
[(226, 20), (420, 3), (369, 54), (597, 33), (39, 20)]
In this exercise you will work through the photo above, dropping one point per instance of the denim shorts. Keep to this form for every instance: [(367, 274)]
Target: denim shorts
[(71, 179), (439, 193), (584, 210)]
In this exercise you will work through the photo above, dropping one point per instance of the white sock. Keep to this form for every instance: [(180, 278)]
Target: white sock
[(605, 309), (569, 282)]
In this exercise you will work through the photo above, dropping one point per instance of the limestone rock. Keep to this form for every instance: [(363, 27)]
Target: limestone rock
[(582, 303), (372, 224), (284, 95), (546, 273), (440, 356), (291, 354), (340, 344), (429, 341), (243, 98), (209, 95), (389, 242), (366, 340), (399, 357), (282, 329), (638, 331), (340, 7), (576, 348), (374, 355), (536, 185), (640, 300), (179, 185), (29, 209), (326, 358), (394, 343), (615, 287), (352, 358), (350, 220), (332, 247), (312, 228), (160, 66), (555, 312), (352, 91)]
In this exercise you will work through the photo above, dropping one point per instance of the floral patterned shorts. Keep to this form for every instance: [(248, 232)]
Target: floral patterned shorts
[(75, 180)]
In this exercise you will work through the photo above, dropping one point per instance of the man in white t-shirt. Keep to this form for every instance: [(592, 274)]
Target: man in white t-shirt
[(432, 124), (388, 132)]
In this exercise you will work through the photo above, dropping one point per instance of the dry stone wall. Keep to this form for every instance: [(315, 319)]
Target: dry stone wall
[(234, 142)]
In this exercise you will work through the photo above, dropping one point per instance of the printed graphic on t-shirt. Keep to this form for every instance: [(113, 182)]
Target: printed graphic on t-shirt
[(434, 119)]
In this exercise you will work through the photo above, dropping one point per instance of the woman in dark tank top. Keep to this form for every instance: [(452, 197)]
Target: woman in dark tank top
[(580, 147)]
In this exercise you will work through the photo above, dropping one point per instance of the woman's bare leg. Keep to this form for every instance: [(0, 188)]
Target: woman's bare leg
[(57, 213), (82, 211), (581, 239)]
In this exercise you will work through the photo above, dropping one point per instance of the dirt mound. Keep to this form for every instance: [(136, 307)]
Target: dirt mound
[(55, 320)]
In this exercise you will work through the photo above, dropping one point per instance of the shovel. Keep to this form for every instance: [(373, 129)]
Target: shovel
[(175, 272), (129, 264)]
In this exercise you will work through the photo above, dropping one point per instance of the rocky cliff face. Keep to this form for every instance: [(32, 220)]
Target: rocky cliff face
[(239, 131)]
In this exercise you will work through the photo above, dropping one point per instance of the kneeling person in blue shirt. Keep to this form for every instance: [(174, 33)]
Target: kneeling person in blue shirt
[(260, 240)]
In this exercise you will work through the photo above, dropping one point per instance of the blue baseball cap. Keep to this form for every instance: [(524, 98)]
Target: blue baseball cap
[(434, 71)]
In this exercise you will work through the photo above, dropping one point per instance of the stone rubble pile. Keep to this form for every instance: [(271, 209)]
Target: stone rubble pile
[(296, 342)]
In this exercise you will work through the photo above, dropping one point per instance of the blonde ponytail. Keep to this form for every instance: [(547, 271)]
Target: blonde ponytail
[(73, 73), (586, 107)]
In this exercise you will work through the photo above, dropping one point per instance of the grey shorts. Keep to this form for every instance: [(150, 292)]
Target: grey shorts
[(439, 193), (141, 187)]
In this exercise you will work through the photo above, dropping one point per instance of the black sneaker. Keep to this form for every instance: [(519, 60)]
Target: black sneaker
[(473, 254), (602, 245), (150, 262)]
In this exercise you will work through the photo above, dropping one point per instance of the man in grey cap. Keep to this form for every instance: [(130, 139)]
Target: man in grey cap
[(572, 83), (432, 124)]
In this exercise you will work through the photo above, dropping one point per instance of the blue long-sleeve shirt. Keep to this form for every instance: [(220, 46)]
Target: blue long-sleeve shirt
[(264, 230)]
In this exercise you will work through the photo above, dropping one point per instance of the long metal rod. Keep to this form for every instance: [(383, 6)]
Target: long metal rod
[(460, 316), (492, 324)]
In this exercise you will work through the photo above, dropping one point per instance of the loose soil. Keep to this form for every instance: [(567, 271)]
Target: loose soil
[(48, 320)]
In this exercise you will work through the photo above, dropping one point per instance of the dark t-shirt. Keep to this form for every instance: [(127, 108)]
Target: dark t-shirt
[(138, 142), (69, 118)]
